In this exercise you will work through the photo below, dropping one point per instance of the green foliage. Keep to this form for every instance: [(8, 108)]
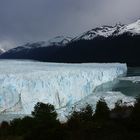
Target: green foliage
[(4, 125), (120, 123), (16, 126), (44, 112), (78, 118), (135, 117), (4, 128), (45, 122), (85, 114), (136, 110), (102, 111), (121, 111)]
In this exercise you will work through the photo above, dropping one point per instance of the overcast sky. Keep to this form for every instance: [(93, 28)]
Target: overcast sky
[(23, 21)]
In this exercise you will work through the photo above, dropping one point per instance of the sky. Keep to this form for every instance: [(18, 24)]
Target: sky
[(23, 21)]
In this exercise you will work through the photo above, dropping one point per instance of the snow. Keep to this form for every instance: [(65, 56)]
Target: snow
[(59, 41), (104, 31), (133, 28), (24, 83), (2, 50)]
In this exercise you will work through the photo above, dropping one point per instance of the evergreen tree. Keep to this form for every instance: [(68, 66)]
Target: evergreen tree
[(136, 110), (46, 123), (44, 112), (102, 111)]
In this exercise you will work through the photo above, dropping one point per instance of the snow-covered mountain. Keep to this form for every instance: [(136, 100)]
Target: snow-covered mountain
[(133, 28), (119, 43), (57, 41), (104, 31), (2, 50)]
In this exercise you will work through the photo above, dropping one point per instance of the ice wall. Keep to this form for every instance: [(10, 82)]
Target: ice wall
[(24, 83)]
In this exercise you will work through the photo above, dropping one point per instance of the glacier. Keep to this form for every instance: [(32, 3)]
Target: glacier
[(24, 83)]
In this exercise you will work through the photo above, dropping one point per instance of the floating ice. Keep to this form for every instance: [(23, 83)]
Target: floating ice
[(134, 79)]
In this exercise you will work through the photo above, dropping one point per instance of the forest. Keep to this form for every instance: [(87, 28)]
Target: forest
[(120, 123)]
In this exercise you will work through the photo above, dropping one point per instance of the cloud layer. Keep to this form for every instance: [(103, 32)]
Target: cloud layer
[(23, 21)]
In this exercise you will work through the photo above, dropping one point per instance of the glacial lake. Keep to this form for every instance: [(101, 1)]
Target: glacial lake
[(128, 88)]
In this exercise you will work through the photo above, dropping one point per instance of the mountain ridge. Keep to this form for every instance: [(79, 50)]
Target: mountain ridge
[(119, 43)]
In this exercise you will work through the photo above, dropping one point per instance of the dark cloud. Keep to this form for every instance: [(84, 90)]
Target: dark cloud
[(32, 20)]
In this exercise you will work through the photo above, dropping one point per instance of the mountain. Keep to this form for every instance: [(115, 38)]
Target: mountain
[(2, 50), (57, 41), (36, 50), (133, 28), (119, 43), (107, 31), (104, 31)]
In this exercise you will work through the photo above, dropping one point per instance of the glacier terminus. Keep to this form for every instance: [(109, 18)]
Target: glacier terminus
[(24, 83)]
